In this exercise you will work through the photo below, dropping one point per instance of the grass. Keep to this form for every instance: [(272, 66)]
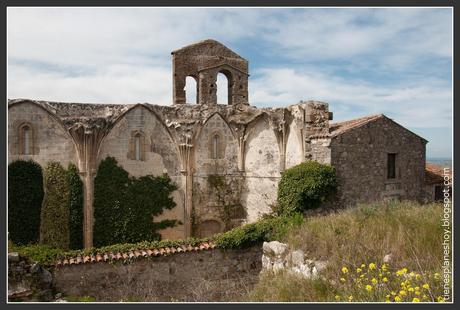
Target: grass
[(411, 233)]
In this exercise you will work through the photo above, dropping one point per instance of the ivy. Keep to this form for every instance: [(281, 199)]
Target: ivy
[(54, 226), (305, 186), (124, 206), (25, 195), (75, 207)]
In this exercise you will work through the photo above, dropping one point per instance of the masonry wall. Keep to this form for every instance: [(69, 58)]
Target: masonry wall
[(49, 140), (360, 159), (158, 156), (211, 275)]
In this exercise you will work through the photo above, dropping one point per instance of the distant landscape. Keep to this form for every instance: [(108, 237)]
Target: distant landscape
[(440, 161)]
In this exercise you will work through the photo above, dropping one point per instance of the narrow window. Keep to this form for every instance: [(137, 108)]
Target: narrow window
[(223, 85), (26, 140), (215, 147), (191, 90), (137, 147), (391, 166)]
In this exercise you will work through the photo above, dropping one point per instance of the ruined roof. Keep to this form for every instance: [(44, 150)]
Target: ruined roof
[(434, 174), (207, 47), (139, 253)]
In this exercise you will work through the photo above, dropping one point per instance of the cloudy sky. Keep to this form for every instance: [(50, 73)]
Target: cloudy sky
[(361, 61)]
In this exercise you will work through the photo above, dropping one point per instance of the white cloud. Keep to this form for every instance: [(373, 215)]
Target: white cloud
[(112, 84), (415, 106)]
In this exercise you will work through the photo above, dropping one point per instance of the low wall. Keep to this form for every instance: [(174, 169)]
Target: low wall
[(209, 275)]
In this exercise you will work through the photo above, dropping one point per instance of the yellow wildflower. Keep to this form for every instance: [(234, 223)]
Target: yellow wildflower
[(363, 265), (350, 298), (358, 270), (417, 293), (374, 281), (337, 297), (372, 266), (397, 299), (400, 272), (417, 288), (344, 269), (342, 280), (402, 293), (385, 279), (418, 276), (425, 297), (426, 286), (410, 289), (440, 299), (368, 287), (436, 276), (393, 293), (384, 267), (415, 299), (412, 274)]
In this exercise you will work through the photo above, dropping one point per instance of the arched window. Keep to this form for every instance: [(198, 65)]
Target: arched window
[(222, 89), (191, 90), (137, 146), (25, 139), (26, 132), (215, 147)]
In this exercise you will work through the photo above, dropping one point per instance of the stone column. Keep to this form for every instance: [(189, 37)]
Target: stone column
[(88, 137), (185, 153)]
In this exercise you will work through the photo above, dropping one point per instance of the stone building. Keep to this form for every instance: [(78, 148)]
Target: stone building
[(225, 158)]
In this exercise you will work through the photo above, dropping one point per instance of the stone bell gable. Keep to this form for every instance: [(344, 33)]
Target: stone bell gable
[(203, 61)]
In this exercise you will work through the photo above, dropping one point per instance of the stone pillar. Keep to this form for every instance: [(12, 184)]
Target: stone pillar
[(88, 136), (185, 153)]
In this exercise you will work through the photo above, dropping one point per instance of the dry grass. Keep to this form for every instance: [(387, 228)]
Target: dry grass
[(411, 233)]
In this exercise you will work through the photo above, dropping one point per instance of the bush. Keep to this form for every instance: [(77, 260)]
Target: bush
[(25, 195), (54, 227), (124, 206), (304, 187), (268, 229), (75, 207)]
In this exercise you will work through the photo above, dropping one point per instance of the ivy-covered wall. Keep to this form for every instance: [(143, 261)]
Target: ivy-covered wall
[(54, 226), (125, 207), (25, 195)]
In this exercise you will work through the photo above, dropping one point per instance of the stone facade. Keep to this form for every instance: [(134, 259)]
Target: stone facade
[(226, 159), (361, 152)]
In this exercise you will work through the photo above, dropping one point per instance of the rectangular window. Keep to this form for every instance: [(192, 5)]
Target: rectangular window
[(391, 166)]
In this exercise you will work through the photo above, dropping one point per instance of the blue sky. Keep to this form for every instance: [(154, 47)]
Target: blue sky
[(396, 61)]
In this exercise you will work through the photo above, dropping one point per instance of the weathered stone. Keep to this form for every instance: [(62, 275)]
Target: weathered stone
[(13, 257), (245, 147), (274, 248), (297, 258), (387, 258)]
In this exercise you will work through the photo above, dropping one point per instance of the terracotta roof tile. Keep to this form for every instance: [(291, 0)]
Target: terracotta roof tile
[(434, 174), (104, 257), (336, 129)]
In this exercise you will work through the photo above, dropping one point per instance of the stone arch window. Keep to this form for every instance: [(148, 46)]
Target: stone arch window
[(215, 146), (224, 87), (26, 139), (137, 146), (191, 89)]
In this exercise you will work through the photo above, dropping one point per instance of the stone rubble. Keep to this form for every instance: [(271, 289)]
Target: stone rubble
[(276, 257)]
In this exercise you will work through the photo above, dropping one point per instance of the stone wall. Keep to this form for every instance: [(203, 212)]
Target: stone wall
[(210, 275), (360, 159), (48, 141)]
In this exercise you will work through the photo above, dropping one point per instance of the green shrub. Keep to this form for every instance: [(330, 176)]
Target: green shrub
[(124, 206), (40, 253), (54, 226), (267, 229), (25, 195), (75, 207), (304, 186)]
